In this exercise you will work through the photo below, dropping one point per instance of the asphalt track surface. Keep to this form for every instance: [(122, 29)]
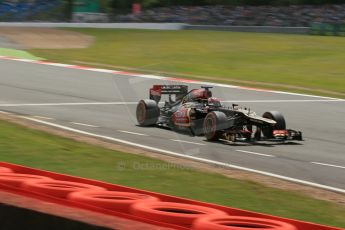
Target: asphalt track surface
[(103, 105)]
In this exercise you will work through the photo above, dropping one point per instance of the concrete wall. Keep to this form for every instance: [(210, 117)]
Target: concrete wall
[(162, 26), (258, 29), (152, 26)]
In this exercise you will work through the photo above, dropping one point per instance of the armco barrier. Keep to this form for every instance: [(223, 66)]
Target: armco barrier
[(170, 212)]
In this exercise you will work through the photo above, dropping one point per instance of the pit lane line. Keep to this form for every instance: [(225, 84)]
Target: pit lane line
[(329, 165), (188, 142), (134, 133), (82, 124), (203, 160), (255, 153)]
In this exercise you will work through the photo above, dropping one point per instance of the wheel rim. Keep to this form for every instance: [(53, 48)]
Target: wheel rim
[(210, 127), (141, 113)]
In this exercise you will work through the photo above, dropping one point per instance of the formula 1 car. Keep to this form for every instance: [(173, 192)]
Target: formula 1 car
[(201, 114)]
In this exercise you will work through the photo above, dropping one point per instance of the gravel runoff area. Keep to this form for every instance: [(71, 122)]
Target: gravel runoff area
[(43, 38)]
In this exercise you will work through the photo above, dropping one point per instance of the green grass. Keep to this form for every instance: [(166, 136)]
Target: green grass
[(45, 151), (17, 54), (300, 63)]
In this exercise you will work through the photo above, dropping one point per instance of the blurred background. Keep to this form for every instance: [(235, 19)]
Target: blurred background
[(215, 12)]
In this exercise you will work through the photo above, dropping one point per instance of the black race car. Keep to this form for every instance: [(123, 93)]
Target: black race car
[(199, 113)]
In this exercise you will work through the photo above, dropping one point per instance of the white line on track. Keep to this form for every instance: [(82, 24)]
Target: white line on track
[(68, 103), (330, 165), (3, 112), (134, 103), (255, 153), (45, 118), (188, 142), (216, 163), (82, 124), (282, 101), (139, 134)]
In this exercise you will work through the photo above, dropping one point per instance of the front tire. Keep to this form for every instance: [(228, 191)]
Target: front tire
[(280, 125), (147, 112)]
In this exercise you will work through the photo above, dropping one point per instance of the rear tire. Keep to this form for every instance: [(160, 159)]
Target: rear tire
[(214, 122), (147, 112), (280, 125)]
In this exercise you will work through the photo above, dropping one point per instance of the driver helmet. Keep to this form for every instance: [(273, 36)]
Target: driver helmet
[(214, 101)]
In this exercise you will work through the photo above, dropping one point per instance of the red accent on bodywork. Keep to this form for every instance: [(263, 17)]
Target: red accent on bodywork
[(156, 90), (280, 133), (181, 117)]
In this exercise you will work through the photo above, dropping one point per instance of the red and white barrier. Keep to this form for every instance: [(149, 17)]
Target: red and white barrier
[(17, 179), (173, 212), (134, 204), (117, 201), (5, 170), (239, 223)]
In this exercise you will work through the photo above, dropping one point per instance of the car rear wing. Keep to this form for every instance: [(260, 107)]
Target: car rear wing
[(158, 90)]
